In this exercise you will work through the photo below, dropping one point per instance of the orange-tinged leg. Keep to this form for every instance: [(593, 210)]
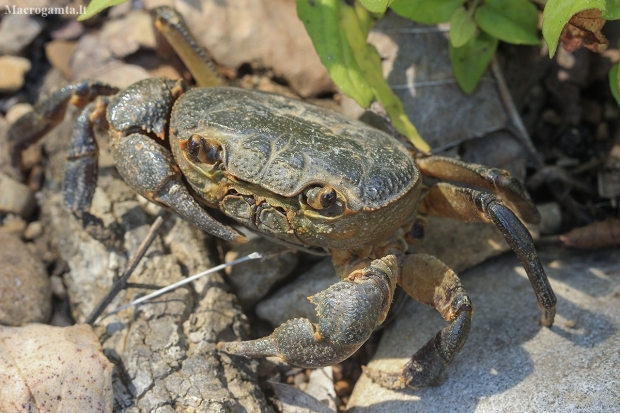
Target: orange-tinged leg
[(470, 205), (173, 27), (499, 181), (431, 282)]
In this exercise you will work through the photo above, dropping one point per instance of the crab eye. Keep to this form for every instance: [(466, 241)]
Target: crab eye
[(200, 150), (321, 198)]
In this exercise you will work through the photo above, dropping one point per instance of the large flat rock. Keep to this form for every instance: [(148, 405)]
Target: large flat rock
[(510, 363)]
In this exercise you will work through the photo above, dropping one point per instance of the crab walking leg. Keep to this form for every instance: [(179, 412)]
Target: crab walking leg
[(348, 313), (171, 24), (151, 171), (431, 282), (81, 169), (496, 180), (50, 112), (469, 205)]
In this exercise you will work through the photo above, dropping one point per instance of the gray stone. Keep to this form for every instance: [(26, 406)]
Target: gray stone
[(416, 64), (26, 295), (126, 35), (510, 363), (252, 279), (291, 301), (17, 31), (293, 400), (550, 218), (321, 386)]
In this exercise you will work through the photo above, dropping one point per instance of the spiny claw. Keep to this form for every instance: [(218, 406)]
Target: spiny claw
[(348, 313), (163, 184)]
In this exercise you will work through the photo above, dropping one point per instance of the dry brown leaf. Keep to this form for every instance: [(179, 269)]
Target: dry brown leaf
[(598, 235), (584, 30)]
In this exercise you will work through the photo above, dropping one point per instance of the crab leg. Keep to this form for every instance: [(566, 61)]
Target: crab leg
[(497, 180), (431, 282), (172, 26), (470, 205), (50, 112), (81, 169), (348, 313)]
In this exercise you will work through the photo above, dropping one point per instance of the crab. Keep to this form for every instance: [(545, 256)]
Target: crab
[(307, 177)]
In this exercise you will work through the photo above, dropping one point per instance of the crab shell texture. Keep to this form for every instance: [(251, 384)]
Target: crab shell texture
[(271, 149)]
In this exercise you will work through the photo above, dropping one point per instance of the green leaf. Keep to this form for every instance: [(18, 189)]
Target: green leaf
[(97, 6), (513, 21), (614, 83), (612, 10), (376, 6), (470, 61), (558, 12), (462, 27), (426, 11), (339, 32)]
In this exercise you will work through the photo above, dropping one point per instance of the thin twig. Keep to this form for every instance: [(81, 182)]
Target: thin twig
[(252, 256), (513, 114), (121, 283)]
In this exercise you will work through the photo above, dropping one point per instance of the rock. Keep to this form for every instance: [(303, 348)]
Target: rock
[(254, 279), (94, 60), (15, 197), (52, 369), (264, 34), (550, 218), (26, 295), (17, 111), (71, 30), (291, 301), (460, 245), (293, 400), (14, 224), (510, 363), (126, 35), (17, 31), (59, 54), (122, 75), (416, 64), (498, 150), (321, 386), (33, 230), (13, 71)]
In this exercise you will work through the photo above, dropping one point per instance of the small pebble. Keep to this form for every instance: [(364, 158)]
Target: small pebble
[(24, 281), (343, 388), (16, 32), (58, 287), (550, 218), (33, 230), (13, 71), (17, 111), (14, 224), (15, 197)]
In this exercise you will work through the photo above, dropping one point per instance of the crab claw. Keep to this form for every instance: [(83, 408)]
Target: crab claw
[(348, 313), (150, 170)]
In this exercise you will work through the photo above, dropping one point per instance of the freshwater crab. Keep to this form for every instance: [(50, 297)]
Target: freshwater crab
[(302, 175)]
